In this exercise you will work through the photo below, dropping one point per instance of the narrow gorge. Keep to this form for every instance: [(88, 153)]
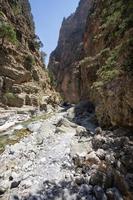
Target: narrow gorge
[(66, 130)]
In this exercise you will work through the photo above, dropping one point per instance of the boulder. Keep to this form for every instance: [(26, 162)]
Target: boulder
[(99, 193), (102, 179), (16, 89), (34, 101), (28, 100), (13, 100), (35, 75), (71, 113), (92, 158), (101, 154), (110, 159), (98, 141), (15, 184), (65, 122), (114, 194), (81, 131), (98, 130), (85, 190)]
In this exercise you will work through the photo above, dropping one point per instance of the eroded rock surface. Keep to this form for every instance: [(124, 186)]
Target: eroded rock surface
[(93, 59), (23, 77)]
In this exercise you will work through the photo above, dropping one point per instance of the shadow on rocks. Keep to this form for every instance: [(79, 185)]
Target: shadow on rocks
[(64, 190), (84, 115)]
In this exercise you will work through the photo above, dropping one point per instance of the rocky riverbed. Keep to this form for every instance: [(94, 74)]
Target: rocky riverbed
[(67, 156)]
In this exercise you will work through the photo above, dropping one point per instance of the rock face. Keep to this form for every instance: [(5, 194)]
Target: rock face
[(95, 63), (69, 51), (23, 78)]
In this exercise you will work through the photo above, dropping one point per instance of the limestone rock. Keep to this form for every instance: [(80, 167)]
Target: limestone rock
[(21, 67), (99, 193), (98, 141), (101, 154), (113, 194), (71, 33), (15, 184), (99, 68), (81, 131), (92, 158)]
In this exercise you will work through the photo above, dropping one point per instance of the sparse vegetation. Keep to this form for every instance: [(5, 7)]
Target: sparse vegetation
[(1, 14), (118, 18), (9, 95), (108, 75), (128, 61), (7, 32), (52, 79), (43, 56), (97, 85), (16, 7), (29, 62), (37, 43)]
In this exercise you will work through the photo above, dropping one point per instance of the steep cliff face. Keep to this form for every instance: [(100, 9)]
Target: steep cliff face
[(23, 78), (103, 71), (108, 45), (64, 58)]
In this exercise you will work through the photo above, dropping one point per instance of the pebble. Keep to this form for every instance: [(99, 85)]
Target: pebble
[(26, 184), (43, 160), (15, 184), (27, 165), (4, 185), (2, 190)]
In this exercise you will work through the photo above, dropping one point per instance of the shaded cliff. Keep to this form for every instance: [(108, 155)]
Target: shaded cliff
[(69, 51), (23, 78), (102, 71)]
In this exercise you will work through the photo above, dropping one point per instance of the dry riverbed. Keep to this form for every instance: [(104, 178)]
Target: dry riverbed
[(64, 156)]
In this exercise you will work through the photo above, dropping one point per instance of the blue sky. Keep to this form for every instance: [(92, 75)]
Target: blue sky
[(48, 16)]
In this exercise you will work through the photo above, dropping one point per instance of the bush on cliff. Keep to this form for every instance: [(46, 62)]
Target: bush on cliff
[(7, 32), (29, 62)]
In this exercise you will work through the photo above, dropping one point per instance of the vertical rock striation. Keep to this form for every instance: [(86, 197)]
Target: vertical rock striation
[(96, 62), (63, 60)]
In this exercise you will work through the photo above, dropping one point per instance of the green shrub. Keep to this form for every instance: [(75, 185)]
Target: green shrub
[(16, 6), (52, 78), (86, 61), (37, 42), (128, 62), (17, 10), (43, 56), (97, 85), (29, 62), (9, 95), (2, 14), (108, 75), (117, 17), (7, 32)]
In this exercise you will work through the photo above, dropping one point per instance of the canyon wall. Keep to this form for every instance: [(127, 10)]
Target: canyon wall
[(93, 59), (64, 59), (23, 77)]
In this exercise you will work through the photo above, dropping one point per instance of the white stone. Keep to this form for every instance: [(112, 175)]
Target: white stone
[(92, 158), (27, 164), (43, 160), (18, 127)]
